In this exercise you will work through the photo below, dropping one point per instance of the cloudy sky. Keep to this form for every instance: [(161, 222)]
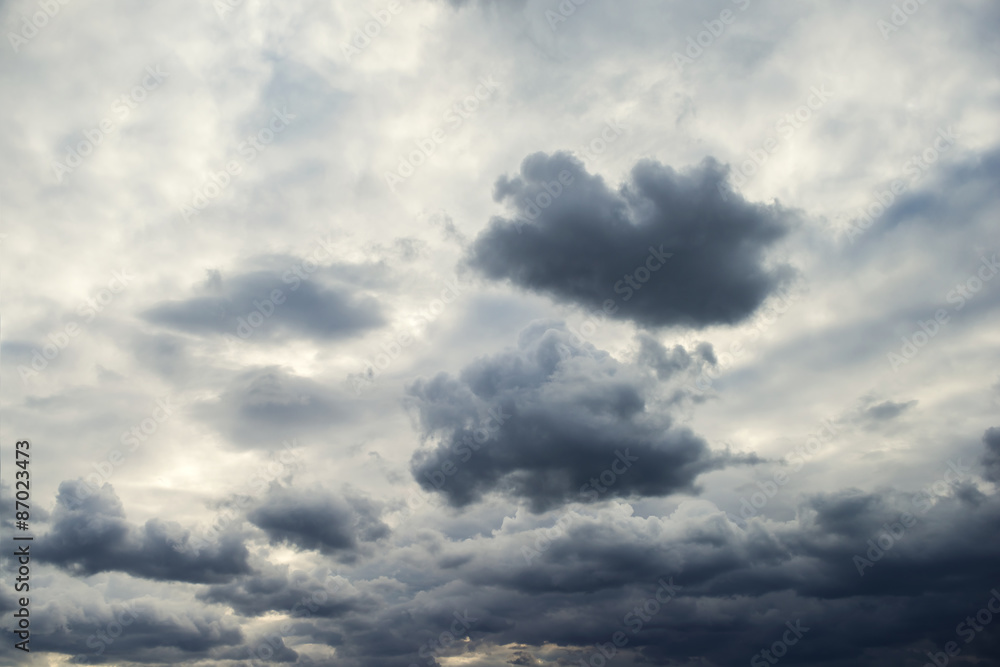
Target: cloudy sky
[(472, 333)]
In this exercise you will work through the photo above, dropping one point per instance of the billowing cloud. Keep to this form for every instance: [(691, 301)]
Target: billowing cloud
[(552, 422), (666, 248), (90, 534), (95, 627), (316, 519), (277, 589), (367, 208)]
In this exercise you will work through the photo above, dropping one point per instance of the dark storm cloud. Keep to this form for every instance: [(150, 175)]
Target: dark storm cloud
[(90, 534), (315, 519), (551, 423), (270, 645), (295, 593), (991, 460), (265, 406), (270, 303), (737, 586), (802, 569), (577, 240), (96, 631)]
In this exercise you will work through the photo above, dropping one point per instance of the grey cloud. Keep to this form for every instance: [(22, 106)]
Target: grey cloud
[(244, 306), (589, 578), (297, 593), (316, 519), (90, 534), (570, 406), (590, 244), (958, 192), (126, 631), (562, 416)]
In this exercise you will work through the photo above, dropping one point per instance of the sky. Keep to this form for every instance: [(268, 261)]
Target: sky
[(473, 333)]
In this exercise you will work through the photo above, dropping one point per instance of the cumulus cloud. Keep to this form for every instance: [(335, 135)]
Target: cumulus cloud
[(576, 239), (103, 627), (317, 519), (279, 589), (480, 504), (90, 534), (597, 570), (552, 422)]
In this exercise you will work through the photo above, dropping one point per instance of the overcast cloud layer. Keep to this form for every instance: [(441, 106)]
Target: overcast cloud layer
[(481, 333)]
